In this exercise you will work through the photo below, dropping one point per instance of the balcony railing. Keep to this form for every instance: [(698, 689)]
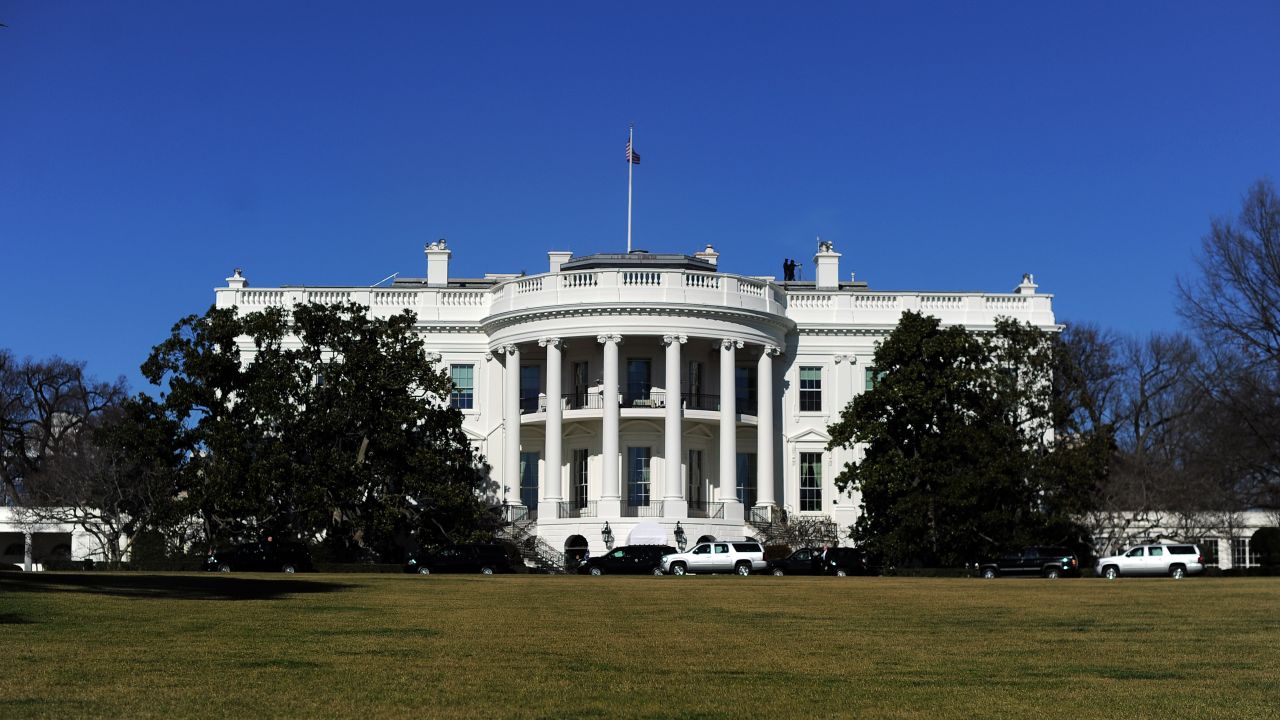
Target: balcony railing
[(574, 509), (706, 510), (700, 401), (640, 400), (653, 509)]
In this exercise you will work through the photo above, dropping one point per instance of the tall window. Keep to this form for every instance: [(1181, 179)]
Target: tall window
[(694, 381), (580, 385), (744, 383), (747, 479), (873, 377), (637, 380), (697, 497), (1209, 549), (810, 481), (464, 384), (810, 389), (1240, 552), (579, 470), (529, 382), (638, 476), (529, 479)]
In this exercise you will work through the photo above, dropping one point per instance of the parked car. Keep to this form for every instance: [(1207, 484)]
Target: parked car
[(1175, 560), (737, 556), (841, 561), (483, 558), (838, 561), (266, 556), (629, 559), (1036, 561)]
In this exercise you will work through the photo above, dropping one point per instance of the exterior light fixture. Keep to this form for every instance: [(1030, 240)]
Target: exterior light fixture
[(681, 538), (607, 534)]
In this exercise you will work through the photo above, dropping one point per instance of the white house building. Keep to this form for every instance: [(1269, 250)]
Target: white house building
[(651, 392)]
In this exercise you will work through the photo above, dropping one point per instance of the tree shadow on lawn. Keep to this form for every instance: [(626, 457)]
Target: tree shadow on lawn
[(180, 587)]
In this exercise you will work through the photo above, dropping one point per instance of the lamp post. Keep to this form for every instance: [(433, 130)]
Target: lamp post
[(607, 534), (681, 538)]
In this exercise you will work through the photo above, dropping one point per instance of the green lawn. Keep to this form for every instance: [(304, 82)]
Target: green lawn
[(132, 645)]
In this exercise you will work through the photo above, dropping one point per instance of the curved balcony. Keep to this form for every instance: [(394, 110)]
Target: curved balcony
[(536, 405), (613, 286)]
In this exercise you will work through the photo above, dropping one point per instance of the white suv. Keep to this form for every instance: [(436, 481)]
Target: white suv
[(738, 556), (1176, 561)]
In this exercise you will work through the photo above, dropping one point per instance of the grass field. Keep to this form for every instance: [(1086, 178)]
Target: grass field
[(131, 645)]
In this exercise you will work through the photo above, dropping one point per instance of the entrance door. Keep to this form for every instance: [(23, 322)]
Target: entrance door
[(697, 489)]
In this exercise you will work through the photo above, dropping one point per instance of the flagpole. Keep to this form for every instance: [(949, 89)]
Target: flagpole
[(631, 136)]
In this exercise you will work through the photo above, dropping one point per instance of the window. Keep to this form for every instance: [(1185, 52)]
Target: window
[(578, 490), (722, 548), (529, 382), (873, 377), (1209, 548), (747, 479), (1157, 552), (1136, 552), (638, 476), (464, 384), (694, 382), (1240, 552), (744, 384), (637, 381), (580, 385), (810, 389), (529, 479), (702, 550), (810, 482)]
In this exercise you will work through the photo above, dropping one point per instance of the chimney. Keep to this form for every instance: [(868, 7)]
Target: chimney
[(558, 258), (1028, 285), (438, 263), (826, 266), (710, 254), (237, 280)]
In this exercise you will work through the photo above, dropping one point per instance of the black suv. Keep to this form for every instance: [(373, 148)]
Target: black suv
[(266, 556), (470, 558), (816, 561), (628, 559), (1037, 561)]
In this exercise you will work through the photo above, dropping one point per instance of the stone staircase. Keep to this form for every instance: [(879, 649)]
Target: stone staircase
[(776, 525), (537, 553)]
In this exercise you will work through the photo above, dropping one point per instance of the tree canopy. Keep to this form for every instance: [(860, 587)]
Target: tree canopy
[(959, 457), (317, 422)]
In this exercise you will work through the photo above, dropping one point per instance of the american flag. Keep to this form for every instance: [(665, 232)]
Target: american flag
[(633, 157)]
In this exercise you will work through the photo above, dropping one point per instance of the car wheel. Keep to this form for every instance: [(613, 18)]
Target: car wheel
[(486, 570), (841, 572), (1110, 572), (424, 570), (596, 571), (1177, 572), (1051, 573), (678, 569), (989, 573), (287, 568), (743, 568), (658, 571), (777, 572), (224, 568)]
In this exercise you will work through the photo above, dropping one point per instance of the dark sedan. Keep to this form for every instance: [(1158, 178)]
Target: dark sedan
[(818, 561), (1036, 561), (264, 556), (628, 560)]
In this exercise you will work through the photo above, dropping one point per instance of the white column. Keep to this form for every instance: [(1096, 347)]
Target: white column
[(764, 428), (673, 500), (511, 427), (552, 475), (610, 504), (729, 432), (27, 542)]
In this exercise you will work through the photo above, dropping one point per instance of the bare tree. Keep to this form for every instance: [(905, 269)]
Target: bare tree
[(1235, 305), (44, 406)]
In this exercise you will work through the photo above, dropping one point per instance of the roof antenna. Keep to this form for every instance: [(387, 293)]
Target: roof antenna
[(384, 279)]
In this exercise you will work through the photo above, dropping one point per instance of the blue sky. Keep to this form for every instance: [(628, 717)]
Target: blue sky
[(147, 148)]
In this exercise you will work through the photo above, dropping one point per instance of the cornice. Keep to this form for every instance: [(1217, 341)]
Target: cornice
[(494, 323)]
